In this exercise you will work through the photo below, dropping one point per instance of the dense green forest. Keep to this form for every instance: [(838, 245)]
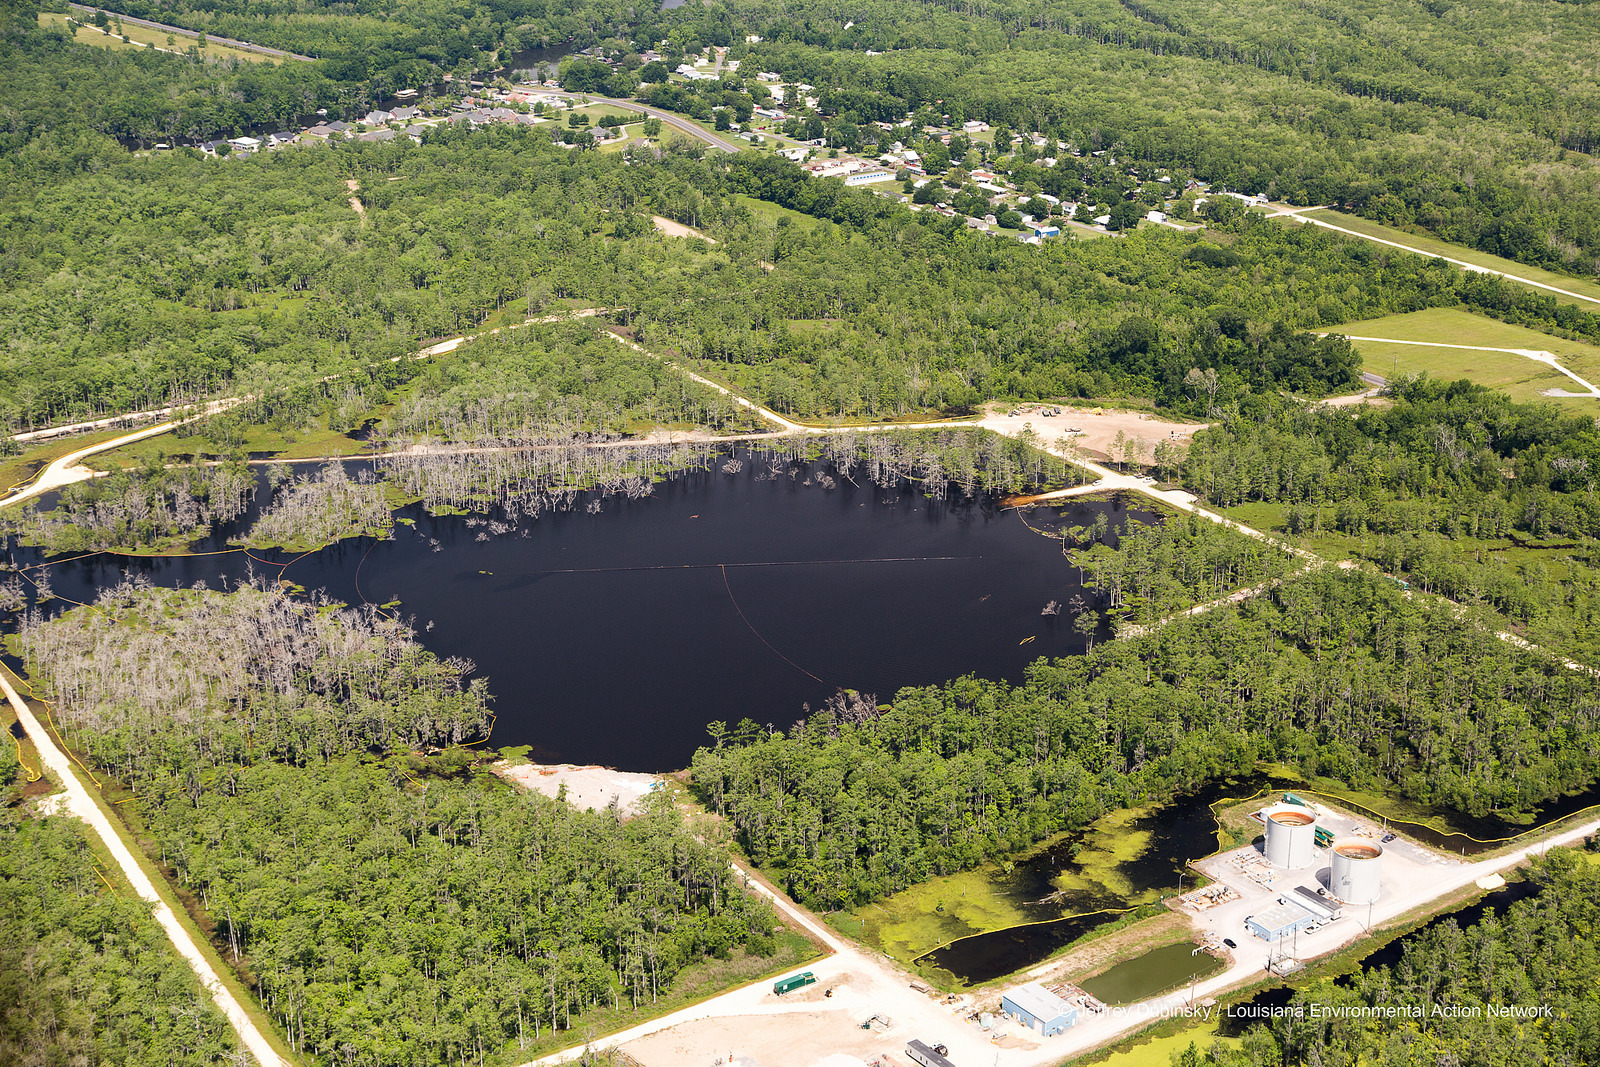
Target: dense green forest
[(1538, 953), (1453, 486), (300, 769), (1158, 569), (120, 292), (1472, 124), (389, 907), (1335, 673), (86, 974), (388, 918)]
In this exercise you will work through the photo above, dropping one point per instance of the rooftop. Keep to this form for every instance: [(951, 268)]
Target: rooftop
[(1280, 915), (1038, 1001)]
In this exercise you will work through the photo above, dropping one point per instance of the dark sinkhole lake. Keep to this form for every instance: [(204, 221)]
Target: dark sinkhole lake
[(615, 637)]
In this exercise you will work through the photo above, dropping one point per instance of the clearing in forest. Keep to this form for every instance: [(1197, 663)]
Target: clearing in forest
[(1523, 378), (678, 229), (142, 37)]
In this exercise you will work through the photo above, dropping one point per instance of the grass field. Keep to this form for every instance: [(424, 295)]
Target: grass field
[(17, 471), (770, 212), (1520, 377), (596, 112), (1080, 231), (1435, 247), (141, 36)]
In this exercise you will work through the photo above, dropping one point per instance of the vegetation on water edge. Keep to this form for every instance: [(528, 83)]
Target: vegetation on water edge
[(171, 685), (387, 906), (1158, 569), (1335, 673), (152, 505)]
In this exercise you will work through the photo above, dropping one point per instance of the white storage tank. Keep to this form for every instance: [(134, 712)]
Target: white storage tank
[(1353, 877), (1291, 837)]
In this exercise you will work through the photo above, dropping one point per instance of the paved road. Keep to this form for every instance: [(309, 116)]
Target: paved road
[(179, 30), (82, 805), (667, 117)]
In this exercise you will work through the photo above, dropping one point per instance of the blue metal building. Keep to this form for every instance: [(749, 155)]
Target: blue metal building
[(1037, 1008)]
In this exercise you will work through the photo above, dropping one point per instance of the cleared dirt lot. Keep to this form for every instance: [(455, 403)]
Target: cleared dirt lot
[(1099, 426), (678, 229), (587, 787), (800, 1040)]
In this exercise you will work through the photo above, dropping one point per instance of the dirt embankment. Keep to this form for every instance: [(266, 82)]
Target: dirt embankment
[(586, 787)]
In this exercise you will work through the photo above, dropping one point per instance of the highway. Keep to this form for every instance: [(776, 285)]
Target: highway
[(668, 118)]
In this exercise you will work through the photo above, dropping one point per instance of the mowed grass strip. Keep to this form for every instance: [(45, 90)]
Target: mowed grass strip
[(140, 37), (1434, 246), (1519, 376)]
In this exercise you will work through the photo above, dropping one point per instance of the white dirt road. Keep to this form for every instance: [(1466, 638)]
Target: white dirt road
[(865, 982), (1298, 214), (69, 469), (678, 229), (1097, 428), (800, 1031), (81, 805), (586, 787), (1537, 355)]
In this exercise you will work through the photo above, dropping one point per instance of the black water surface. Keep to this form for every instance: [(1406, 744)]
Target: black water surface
[(527, 59), (615, 637), (1179, 832)]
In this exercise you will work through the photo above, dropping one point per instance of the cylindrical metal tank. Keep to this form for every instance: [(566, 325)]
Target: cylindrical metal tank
[(1291, 837), (1353, 877)]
